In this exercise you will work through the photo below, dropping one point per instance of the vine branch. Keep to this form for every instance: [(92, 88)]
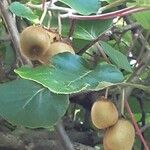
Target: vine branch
[(72, 14), (135, 77), (139, 133), (11, 27)]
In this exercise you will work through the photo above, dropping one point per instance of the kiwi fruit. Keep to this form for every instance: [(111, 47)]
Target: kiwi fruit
[(56, 48), (34, 42), (53, 35), (103, 113), (120, 136), (59, 47)]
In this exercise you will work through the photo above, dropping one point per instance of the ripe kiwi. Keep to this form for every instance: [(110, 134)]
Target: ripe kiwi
[(120, 136), (34, 42), (53, 35), (103, 113), (59, 47), (56, 48)]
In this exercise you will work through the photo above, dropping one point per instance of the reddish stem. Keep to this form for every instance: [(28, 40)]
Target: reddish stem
[(118, 13), (139, 133)]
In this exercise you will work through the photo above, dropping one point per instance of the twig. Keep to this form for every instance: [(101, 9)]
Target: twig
[(136, 126), (64, 139), (43, 14), (111, 15), (144, 61), (102, 52), (126, 28), (72, 14), (72, 28), (142, 49), (90, 44), (11, 26), (135, 38)]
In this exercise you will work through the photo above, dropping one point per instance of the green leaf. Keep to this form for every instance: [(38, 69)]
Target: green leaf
[(69, 74), (135, 105), (27, 103), (141, 3), (86, 30), (84, 7), (23, 11), (117, 57), (143, 18), (89, 30)]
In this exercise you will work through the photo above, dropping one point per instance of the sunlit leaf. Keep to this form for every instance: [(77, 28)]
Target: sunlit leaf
[(70, 74)]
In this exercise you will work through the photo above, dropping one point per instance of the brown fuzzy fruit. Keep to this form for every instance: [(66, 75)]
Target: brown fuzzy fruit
[(60, 47), (53, 36), (34, 42), (56, 48), (120, 136), (104, 114)]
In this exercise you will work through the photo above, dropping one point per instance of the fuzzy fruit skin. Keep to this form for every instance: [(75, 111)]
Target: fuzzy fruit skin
[(59, 47), (53, 36), (56, 48), (104, 114), (34, 42), (120, 136)]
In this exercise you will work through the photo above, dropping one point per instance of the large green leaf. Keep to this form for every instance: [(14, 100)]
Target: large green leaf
[(86, 30), (27, 103), (117, 57), (23, 11), (89, 30), (84, 7), (143, 18), (69, 74)]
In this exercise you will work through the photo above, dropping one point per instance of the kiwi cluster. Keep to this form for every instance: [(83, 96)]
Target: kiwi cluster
[(119, 133), (38, 43)]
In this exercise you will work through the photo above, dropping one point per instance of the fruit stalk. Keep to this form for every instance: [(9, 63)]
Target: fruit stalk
[(136, 125)]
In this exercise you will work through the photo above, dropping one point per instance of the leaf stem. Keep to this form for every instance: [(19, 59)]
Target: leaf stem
[(111, 15), (106, 92), (72, 14), (59, 24), (122, 101), (43, 15), (139, 133)]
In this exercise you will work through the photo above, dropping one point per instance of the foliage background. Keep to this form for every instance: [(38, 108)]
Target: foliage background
[(110, 53)]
